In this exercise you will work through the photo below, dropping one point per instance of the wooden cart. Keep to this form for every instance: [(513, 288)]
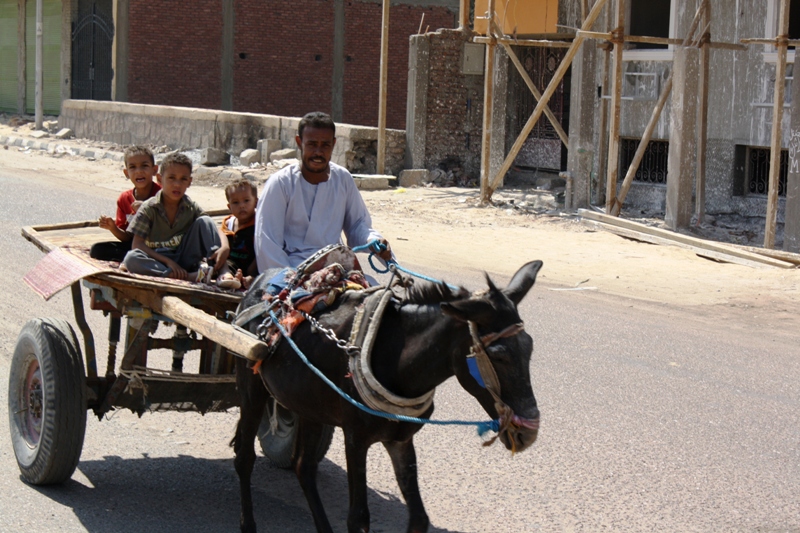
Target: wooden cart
[(53, 382)]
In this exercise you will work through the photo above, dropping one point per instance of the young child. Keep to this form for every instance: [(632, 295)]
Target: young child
[(239, 265), (140, 167), (172, 235)]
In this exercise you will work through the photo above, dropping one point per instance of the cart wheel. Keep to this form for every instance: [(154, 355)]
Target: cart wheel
[(47, 401), (278, 445)]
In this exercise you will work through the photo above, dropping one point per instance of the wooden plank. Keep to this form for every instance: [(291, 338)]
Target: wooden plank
[(545, 43), (708, 246), (702, 121), (781, 255), (612, 168), (382, 88), (208, 326), (777, 118), (652, 239), (488, 99)]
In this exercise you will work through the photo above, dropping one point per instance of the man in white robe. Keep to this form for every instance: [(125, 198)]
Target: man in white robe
[(307, 206)]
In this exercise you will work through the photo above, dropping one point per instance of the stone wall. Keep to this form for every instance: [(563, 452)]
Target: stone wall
[(189, 128)]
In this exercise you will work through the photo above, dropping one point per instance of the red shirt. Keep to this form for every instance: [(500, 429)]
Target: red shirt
[(124, 202)]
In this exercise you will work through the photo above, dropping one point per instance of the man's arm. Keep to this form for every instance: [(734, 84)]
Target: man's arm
[(269, 230), (358, 223)]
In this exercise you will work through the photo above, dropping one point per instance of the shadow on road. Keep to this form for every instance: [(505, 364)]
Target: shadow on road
[(184, 493)]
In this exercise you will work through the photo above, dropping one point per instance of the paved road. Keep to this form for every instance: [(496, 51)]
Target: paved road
[(653, 419)]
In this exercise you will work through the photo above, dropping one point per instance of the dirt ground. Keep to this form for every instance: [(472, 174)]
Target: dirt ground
[(446, 228)]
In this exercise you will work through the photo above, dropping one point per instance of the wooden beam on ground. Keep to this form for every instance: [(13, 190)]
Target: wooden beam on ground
[(616, 108), (777, 118), (486, 193), (536, 94), (488, 98), (789, 257), (381, 162), (716, 250)]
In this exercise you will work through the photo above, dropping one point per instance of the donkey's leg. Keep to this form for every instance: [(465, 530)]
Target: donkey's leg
[(253, 398), (306, 446), (356, 447), (404, 460)]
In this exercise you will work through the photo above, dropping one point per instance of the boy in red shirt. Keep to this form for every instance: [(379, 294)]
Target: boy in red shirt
[(140, 167)]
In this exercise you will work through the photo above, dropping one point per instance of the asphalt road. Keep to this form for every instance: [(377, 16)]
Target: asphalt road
[(654, 418)]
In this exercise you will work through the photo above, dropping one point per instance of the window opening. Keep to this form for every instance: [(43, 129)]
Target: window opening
[(653, 168), (757, 171), (649, 18)]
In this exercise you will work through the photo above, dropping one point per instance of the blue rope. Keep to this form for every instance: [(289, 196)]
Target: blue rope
[(376, 246), (483, 427)]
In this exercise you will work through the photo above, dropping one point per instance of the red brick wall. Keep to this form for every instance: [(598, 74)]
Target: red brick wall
[(283, 62), (175, 53), (363, 25), (288, 69)]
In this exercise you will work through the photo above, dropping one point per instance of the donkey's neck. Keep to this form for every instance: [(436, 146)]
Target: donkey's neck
[(421, 359)]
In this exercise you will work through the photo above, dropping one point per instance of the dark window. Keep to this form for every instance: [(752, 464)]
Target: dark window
[(794, 20), (757, 171), (649, 18), (653, 168)]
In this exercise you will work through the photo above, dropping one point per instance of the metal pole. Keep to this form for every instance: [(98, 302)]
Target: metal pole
[(381, 164), (777, 118), (39, 45), (488, 93)]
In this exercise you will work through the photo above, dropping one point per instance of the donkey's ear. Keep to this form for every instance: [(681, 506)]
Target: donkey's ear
[(466, 310), (522, 281)]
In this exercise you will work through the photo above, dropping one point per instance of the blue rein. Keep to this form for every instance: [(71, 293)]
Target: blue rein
[(375, 247)]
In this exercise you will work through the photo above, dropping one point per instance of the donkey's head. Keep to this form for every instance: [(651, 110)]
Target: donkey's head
[(498, 375)]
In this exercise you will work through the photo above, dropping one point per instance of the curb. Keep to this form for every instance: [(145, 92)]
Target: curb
[(55, 147)]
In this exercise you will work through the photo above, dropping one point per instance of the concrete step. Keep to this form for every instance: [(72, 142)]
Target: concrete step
[(373, 182)]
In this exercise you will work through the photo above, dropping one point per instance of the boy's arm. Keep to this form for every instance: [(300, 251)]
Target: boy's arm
[(221, 256), (140, 244)]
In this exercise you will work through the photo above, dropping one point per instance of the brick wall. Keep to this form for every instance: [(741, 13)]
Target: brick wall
[(175, 52), (283, 62), (363, 25), (288, 67)]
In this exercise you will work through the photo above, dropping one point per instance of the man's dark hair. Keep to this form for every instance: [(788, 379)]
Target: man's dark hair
[(175, 158), (316, 119)]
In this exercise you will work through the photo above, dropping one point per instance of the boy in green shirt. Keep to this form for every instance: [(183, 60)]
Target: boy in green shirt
[(172, 235)]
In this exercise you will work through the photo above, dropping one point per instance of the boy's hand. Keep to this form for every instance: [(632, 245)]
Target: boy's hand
[(219, 257), (106, 223), (177, 271)]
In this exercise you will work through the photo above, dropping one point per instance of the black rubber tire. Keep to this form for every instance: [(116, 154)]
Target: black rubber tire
[(47, 401), (279, 446)]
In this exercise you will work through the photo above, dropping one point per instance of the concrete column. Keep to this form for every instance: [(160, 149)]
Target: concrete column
[(337, 86), (22, 58), (417, 101), (226, 85), (682, 144), (66, 48), (120, 51), (791, 226), (499, 111), (583, 99)]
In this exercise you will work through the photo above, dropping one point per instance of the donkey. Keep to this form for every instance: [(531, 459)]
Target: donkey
[(422, 341)]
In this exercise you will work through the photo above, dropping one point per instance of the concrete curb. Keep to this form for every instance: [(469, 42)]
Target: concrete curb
[(54, 147)]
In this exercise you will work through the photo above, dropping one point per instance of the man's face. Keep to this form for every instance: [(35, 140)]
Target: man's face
[(174, 182), (316, 147)]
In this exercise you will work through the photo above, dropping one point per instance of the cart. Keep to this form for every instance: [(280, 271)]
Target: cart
[(54, 379)]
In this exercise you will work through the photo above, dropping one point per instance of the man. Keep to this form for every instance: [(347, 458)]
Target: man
[(307, 206)]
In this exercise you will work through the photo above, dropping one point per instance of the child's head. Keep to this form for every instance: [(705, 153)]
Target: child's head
[(242, 196), (175, 177), (140, 166)]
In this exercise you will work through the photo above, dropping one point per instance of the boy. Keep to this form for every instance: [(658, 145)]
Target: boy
[(140, 167), (172, 235), (239, 265)]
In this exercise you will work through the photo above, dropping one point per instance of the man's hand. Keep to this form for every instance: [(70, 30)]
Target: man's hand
[(386, 251)]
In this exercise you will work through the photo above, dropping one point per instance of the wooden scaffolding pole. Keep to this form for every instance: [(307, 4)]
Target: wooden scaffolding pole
[(381, 163), (616, 204), (486, 191), (702, 119), (600, 187), (781, 42), (488, 97), (38, 105), (616, 107), (463, 14)]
